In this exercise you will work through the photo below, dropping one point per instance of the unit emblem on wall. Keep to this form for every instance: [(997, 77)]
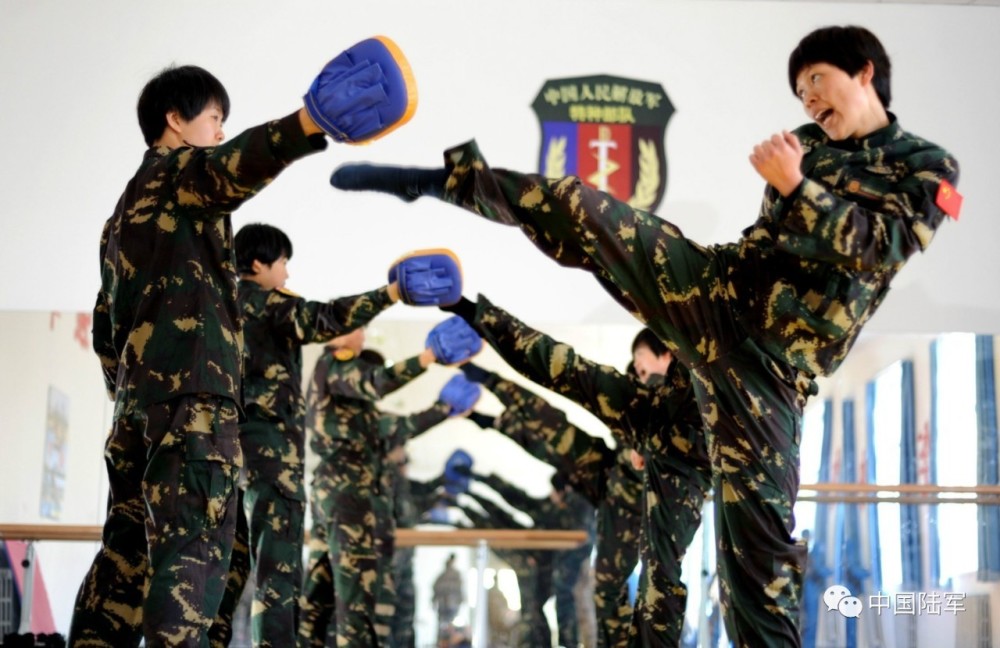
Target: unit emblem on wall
[(608, 131)]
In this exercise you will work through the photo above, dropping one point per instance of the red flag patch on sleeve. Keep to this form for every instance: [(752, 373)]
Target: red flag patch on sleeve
[(948, 199)]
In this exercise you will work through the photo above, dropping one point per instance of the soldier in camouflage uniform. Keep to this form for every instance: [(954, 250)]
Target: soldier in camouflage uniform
[(276, 324), (849, 199), (350, 483), (605, 477), (410, 498), (653, 411), (167, 331)]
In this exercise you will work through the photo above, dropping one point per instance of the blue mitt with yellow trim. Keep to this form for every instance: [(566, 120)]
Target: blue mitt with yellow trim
[(364, 93), (431, 277)]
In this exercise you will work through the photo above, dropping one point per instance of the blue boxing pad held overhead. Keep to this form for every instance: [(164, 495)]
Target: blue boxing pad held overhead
[(453, 341), (431, 277), (364, 93), (457, 471)]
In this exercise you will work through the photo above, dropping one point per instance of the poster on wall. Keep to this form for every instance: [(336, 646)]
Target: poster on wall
[(610, 132), (54, 459)]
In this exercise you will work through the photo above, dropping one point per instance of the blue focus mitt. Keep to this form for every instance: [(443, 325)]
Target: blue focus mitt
[(460, 394), (453, 341), (365, 92), (457, 472), (430, 277)]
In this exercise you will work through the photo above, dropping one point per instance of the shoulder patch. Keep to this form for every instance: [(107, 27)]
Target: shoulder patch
[(948, 199)]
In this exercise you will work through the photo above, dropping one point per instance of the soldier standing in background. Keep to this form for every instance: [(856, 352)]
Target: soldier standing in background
[(167, 332)]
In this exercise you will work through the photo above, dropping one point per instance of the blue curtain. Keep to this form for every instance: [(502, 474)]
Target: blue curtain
[(986, 420), (934, 538), (909, 514), (817, 576), (849, 571), (874, 546)]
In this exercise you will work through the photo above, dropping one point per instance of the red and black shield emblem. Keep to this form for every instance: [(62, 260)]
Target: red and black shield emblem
[(609, 132)]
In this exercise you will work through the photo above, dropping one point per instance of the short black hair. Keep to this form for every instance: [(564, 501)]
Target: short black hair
[(260, 242), (648, 339), (186, 89), (848, 48), (559, 481)]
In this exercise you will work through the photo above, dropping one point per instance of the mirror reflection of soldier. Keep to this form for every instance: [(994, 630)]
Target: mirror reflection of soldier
[(579, 458), (349, 485), (561, 510), (602, 475), (447, 598), (653, 411)]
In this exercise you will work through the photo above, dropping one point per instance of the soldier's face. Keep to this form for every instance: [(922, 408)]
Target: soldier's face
[(205, 129), (648, 364), (839, 103), (273, 276)]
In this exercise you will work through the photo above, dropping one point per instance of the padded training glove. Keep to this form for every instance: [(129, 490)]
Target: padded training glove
[(407, 183), (453, 341), (460, 394), (428, 277), (364, 93), (457, 471)]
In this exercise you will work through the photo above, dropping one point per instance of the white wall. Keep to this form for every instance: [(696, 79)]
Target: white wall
[(71, 73)]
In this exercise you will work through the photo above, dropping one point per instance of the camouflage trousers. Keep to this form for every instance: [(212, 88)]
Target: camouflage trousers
[(269, 546), (161, 570), (359, 531), (565, 573), (406, 598), (617, 554), (316, 602), (671, 516), (692, 297)]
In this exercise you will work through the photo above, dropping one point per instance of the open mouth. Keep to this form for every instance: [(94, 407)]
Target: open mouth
[(823, 115)]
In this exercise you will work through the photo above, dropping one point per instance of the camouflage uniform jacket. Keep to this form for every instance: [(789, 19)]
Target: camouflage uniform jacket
[(802, 280), (660, 419), (166, 320), (343, 421), (276, 324), (397, 429)]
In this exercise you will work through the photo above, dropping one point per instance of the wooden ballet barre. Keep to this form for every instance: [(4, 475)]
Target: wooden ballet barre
[(499, 538), (61, 532), (846, 487), (897, 499), (496, 538)]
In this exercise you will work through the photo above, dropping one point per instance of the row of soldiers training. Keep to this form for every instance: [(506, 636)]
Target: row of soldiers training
[(200, 344)]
